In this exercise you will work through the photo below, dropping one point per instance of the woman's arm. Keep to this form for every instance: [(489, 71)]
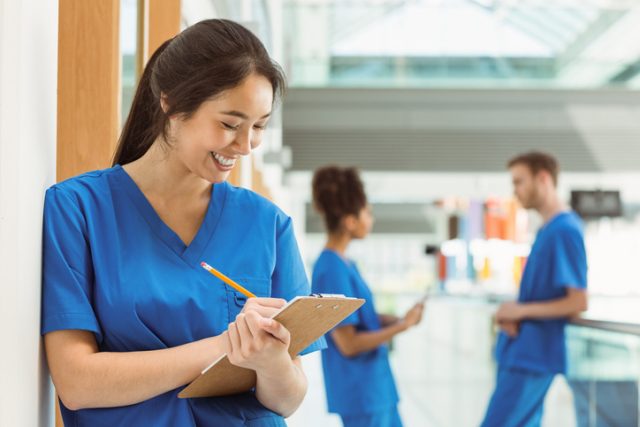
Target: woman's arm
[(262, 344), (88, 378), (388, 319), (350, 342), (572, 304), (284, 392)]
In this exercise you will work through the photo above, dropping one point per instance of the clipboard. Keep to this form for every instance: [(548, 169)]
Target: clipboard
[(307, 319)]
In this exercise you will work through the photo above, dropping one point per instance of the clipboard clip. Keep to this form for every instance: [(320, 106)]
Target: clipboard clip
[(328, 295)]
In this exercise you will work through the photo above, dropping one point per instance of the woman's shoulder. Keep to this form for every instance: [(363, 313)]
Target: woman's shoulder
[(253, 203), (83, 186), (331, 261)]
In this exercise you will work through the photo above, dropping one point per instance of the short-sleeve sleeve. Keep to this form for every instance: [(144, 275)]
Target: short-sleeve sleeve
[(67, 276), (289, 278), (569, 260), (334, 278)]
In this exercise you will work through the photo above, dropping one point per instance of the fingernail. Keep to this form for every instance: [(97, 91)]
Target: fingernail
[(267, 322)]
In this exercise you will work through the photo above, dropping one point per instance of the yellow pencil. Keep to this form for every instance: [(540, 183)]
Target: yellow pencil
[(226, 280)]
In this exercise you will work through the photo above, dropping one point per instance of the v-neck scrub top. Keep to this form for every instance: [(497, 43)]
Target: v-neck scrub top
[(558, 260), (113, 267)]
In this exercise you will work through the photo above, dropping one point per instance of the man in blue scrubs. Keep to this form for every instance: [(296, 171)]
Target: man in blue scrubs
[(531, 346)]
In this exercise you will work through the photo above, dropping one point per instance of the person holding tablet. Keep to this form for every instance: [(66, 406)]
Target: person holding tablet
[(358, 378)]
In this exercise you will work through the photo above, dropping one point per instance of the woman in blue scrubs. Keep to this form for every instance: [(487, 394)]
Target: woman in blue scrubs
[(358, 379), (128, 315)]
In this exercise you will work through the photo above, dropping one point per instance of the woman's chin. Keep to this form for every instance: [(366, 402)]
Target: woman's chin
[(218, 177)]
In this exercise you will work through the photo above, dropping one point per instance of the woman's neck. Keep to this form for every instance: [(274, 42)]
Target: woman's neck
[(338, 242), (159, 173)]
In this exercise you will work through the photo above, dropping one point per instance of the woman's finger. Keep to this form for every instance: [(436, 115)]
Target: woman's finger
[(267, 302), (262, 311), (234, 337), (246, 337), (265, 307), (243, 329), (276, 329), (253, 323)]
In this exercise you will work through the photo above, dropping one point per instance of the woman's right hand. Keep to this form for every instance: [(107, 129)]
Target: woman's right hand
[(248, 340), (413, 316), (265, 307), (258, 343)]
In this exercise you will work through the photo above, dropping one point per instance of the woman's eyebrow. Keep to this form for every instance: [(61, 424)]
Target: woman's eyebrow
[(243, 115)]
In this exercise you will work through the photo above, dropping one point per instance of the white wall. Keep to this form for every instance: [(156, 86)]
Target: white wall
[(28, 70), (426, 186)]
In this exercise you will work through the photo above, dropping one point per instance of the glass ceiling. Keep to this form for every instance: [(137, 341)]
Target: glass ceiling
[(462, 43)]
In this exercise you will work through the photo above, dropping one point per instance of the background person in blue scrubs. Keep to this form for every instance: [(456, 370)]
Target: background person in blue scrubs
[(358, 379), (531, 346), (128, 315)]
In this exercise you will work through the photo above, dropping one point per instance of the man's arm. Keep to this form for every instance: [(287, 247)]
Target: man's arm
[(571, 305)]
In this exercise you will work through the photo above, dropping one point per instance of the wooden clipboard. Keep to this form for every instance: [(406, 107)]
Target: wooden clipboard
[(306, 318)]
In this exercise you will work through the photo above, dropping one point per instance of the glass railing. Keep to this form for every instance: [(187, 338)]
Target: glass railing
[(604, 370)]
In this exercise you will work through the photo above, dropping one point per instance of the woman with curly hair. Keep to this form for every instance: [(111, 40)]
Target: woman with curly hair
[(358, 378)]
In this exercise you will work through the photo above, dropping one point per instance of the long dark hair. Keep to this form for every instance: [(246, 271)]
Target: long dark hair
[(199, 63), (337, 192)]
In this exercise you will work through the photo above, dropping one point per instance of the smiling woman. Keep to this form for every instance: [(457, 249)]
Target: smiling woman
[(225, 127), (128, 315), (165, 93)]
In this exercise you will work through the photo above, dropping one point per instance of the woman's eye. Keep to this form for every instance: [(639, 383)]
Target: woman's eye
[(230, 127)]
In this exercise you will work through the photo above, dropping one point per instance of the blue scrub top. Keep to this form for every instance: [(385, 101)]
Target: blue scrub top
[(363, 383), (557, 261), (113, 267)]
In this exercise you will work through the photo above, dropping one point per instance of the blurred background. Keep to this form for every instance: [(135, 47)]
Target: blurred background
[(429, 99)]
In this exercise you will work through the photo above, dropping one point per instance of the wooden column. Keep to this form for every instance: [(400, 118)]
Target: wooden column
[(259, 186), (59, 422), (88, 88), (88, 85), (164, 22), (158, 21)]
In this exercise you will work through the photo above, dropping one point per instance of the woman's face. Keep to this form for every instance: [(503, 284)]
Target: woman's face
[(363, 223), (221, 130)]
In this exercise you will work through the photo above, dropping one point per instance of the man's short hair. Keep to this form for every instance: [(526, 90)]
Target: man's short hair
[(537, 161)]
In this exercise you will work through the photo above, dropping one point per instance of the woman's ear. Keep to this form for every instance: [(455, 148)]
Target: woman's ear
[(164, 104), (349, 222)]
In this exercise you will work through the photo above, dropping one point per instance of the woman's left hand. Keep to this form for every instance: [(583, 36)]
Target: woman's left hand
[(258, 343)]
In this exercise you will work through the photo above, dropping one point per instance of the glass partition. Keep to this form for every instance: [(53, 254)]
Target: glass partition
[(604, 372), (462, 43)]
